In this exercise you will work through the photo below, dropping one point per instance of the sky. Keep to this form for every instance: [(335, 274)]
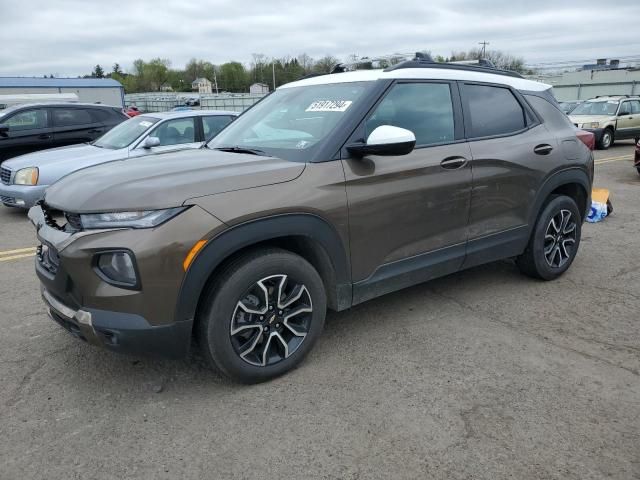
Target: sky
[(69, 37)]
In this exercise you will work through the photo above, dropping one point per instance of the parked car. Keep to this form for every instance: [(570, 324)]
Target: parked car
[(636, 158), (132, 111), (609, 118), (331, 191), (568, 107), (38, 126), (24, 179)]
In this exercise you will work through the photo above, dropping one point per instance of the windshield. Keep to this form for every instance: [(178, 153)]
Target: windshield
[(608, 107), (291, 123), (124, 134)]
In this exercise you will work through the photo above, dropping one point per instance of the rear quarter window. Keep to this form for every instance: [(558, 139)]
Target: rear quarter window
[(551, 116), (492, 111)]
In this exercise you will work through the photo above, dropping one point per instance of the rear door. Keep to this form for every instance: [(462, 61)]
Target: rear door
[(408, 214), (73, 125), (29, 130), (511, 151)]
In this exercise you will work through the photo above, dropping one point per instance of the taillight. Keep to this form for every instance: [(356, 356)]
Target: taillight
[(588, 138)]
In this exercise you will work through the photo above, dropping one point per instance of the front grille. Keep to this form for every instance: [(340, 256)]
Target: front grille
[(7, 200), (5, 175), (48, 258)]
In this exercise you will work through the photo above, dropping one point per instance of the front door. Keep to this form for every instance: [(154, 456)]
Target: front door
[(408, 214), (28, 131), (628, 120)]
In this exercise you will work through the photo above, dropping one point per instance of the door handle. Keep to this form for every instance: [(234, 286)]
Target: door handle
[(44, 136), (543, 149), (453, 163)]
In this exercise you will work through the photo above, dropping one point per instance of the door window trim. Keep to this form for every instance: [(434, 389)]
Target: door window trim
[(531, 118)]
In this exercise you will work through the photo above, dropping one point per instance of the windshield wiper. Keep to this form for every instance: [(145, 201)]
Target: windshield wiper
[(237, 149)]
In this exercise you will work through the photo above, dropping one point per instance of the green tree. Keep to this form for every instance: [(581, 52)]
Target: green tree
[(232, 77), (98, 72), (116, 69), (325, 64)]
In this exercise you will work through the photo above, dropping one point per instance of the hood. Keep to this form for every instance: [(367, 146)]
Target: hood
[(580, 119), (55, 162), (166, 180)]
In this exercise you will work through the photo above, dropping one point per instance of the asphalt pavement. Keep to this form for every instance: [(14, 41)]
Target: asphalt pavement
[(485, 374)]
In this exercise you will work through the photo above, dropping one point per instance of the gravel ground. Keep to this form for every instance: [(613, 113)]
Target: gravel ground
[(485, 374)]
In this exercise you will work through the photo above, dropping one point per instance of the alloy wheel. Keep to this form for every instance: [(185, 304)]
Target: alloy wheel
[(271, 320), (560, 239), (606, 139)]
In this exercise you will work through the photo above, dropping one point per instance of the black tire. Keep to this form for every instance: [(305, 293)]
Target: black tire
[(535, 259), (251, 279), (606, 140), (638, 169)]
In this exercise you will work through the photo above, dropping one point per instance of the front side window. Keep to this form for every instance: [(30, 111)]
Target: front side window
[(424, 108), (213, 125), (175, 132), (292, 123), (606, 107), (124, 134), (27, 120), (63, 117), (492, 111)]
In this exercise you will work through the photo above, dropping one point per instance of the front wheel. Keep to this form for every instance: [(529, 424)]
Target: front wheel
[(554, 241), (607, 139), (262, 315)]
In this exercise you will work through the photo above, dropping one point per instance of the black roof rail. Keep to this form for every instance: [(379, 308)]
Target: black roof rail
[(422, 60)]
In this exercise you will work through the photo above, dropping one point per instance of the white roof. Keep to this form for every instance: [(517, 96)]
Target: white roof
[(421, 73)]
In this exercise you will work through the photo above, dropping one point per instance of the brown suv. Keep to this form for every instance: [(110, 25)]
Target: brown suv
[(329, 192)]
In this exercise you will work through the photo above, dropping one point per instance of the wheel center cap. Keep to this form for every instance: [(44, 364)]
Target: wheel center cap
[(272, 319)]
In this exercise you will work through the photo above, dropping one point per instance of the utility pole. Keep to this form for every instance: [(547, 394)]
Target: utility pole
[(273, 68), (215, 81), (484, 48)]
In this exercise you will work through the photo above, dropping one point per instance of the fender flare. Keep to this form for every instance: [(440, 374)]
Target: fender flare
[(555, 180), (219, 248)]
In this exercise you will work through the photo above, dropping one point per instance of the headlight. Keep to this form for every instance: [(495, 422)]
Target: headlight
[(593, 125), (138, 219), (26, 176)]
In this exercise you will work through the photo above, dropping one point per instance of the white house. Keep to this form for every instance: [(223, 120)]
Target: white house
[(259, 88), (201, 85)]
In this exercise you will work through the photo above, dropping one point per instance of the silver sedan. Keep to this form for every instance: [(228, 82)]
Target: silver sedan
[(24, 179)]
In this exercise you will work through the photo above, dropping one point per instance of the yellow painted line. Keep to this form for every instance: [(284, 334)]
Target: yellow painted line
[(613, 159), (16, 257), (18, 250)]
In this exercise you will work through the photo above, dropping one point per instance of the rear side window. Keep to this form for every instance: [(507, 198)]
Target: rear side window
[(492, 111), (27, 120), (99, 115), (424, 108), (63, 117), (214, 125)]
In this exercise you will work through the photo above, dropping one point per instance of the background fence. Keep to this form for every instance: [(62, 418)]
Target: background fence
[(163, 102)]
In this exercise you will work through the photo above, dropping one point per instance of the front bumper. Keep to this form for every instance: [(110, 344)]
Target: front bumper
[(136, 321), (598, 132), (22, 196)]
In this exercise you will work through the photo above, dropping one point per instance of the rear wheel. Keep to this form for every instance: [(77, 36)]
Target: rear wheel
[(554, 241), (262, 315), (607, 139)]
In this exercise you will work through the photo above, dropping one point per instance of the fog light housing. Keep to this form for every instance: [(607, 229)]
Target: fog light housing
[(118, 268)]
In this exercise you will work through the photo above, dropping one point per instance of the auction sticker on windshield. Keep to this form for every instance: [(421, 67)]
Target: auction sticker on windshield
[(145, 123), (329, 106)]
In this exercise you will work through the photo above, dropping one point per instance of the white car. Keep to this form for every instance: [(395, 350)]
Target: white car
[(24, 179)]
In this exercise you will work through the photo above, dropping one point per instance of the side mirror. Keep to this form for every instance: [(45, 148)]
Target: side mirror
[(151, 142), (385, 140), (4, 130)]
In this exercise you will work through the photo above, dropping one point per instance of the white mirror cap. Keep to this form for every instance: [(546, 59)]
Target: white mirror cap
[(152, 142), (386, 134)]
